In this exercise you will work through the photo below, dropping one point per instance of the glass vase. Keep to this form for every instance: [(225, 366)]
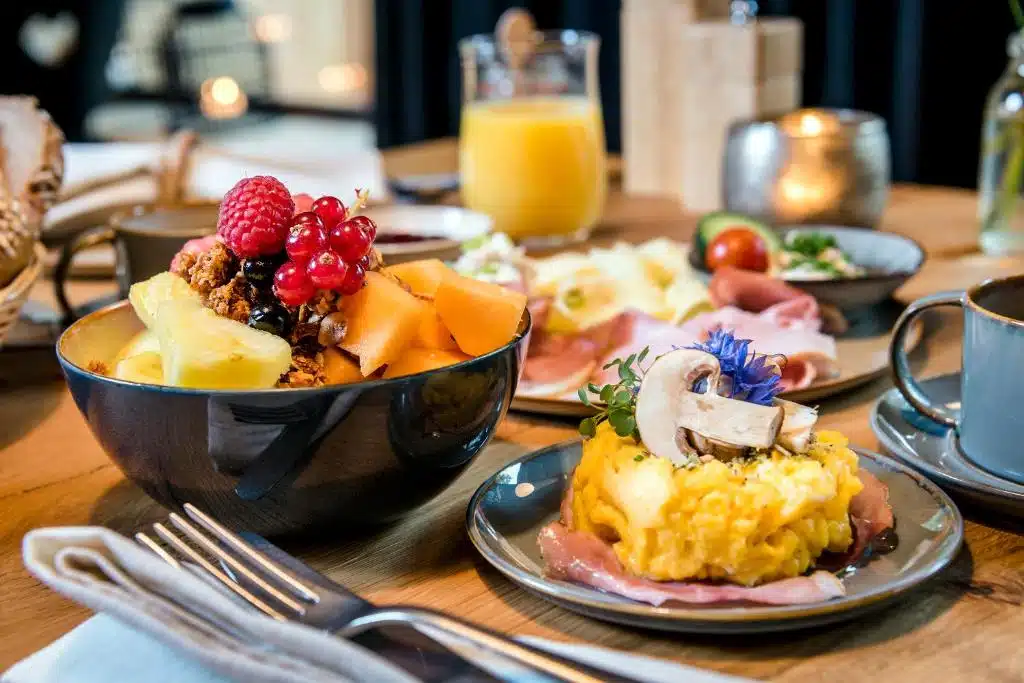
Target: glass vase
[(1001, 170)]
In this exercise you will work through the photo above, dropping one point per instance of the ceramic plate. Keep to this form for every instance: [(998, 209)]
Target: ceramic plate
[(934, 449), (863, 356), (508, 510), (445, 226)]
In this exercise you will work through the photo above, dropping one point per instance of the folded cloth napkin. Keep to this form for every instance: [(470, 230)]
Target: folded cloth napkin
[(173, 625)]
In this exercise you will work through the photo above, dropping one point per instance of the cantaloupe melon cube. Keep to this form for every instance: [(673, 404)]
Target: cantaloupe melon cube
[(432, 332), (421, 360), (422, 277), (482, 316), (339, 368), (382, 320)]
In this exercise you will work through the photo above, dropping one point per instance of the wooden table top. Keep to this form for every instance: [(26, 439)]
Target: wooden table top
[(966, 625)]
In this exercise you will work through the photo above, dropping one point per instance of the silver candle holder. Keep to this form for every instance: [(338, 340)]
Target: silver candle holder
[(811, 166)]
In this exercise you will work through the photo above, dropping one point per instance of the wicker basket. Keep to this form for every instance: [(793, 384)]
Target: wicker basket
[(14, 295)]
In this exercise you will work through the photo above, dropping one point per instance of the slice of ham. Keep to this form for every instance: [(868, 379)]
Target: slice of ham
[(557, 364), (870, 515), (752, 291), (584, 558), (809, 354)]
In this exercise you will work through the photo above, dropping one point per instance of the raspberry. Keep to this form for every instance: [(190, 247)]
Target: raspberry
[(292, 286), (303, 202), (254, 216)]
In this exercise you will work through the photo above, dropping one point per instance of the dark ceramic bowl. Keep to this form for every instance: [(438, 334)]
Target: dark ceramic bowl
[(890, 260), (287, 461)]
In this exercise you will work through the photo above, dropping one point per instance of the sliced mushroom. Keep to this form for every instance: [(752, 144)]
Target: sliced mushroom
[(797, 423), (666, 403)]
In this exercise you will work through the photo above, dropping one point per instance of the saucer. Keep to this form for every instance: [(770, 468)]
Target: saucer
[(934, 449)]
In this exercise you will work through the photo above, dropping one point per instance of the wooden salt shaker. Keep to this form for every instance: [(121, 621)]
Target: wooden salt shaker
[(747, 68)]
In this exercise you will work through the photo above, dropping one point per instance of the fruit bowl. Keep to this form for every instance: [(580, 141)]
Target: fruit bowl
[(288, 461)]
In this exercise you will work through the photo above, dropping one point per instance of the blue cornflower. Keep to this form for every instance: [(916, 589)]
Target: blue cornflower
[(751, 376)]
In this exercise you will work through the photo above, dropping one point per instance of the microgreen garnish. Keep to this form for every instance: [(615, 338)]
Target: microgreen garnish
[(619, 399), (810, 243)]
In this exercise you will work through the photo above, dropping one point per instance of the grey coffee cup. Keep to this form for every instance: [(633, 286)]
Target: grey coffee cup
[(990, 418), (145, 239)]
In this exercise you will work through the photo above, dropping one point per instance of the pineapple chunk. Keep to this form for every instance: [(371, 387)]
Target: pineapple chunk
[(146, 296), (143, 342), (201, 349), (144, 368)]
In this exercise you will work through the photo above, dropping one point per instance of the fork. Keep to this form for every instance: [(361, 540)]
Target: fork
[(273, 590)]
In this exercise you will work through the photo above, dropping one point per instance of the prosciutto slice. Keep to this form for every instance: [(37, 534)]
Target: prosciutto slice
[(753, 291), (809, 354), (584, 558)]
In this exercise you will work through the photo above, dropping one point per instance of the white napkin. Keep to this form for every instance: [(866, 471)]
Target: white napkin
[(147, 636)]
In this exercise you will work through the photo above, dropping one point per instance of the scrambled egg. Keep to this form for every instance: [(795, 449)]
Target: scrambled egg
[(747, 522)]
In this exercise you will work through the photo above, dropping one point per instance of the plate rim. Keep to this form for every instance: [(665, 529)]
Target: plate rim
[(719, 615)]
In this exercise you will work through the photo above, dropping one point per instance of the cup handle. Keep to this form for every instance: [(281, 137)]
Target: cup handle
[(101, 234), (902, 374)]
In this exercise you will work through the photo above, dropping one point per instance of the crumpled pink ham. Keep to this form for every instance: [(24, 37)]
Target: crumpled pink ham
[(754, 292), (809, 354), (584, 558)]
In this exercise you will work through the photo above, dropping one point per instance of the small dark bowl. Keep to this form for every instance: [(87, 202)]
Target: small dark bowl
[(890, 260), (288, 461)]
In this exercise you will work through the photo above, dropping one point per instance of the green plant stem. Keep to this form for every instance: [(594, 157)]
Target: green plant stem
[(1018, 13)]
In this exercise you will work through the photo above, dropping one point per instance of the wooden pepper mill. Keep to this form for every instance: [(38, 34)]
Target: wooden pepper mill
[(713, 64)]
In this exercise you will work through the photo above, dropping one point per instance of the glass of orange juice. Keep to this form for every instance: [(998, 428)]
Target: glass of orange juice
[(531, 142)]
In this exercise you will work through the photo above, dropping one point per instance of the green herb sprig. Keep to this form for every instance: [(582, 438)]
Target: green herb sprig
[(619, 399), (810, 244)]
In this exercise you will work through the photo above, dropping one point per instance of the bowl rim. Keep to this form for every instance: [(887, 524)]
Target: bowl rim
[(782, 230), (522, 333), (922, 255)]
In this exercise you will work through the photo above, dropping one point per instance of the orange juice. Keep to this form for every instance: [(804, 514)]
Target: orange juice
[(536, 165)]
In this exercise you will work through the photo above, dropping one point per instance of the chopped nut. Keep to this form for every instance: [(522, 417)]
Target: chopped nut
[(98, 367), (231, 300), (214, 268), (183, 264), (332, 329), (307, 369), (376, 260)]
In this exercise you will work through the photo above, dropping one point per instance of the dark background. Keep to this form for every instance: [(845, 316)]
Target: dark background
[(925, 65)]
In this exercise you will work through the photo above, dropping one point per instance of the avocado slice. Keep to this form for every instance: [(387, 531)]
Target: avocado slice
[(713, 223)]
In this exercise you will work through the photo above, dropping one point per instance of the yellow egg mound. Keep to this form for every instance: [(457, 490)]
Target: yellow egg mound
[(746, 522)]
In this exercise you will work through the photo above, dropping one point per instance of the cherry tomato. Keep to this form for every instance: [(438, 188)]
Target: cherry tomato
[(737, 247)]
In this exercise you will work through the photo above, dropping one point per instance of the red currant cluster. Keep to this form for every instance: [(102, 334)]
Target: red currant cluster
[(326, 249)]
